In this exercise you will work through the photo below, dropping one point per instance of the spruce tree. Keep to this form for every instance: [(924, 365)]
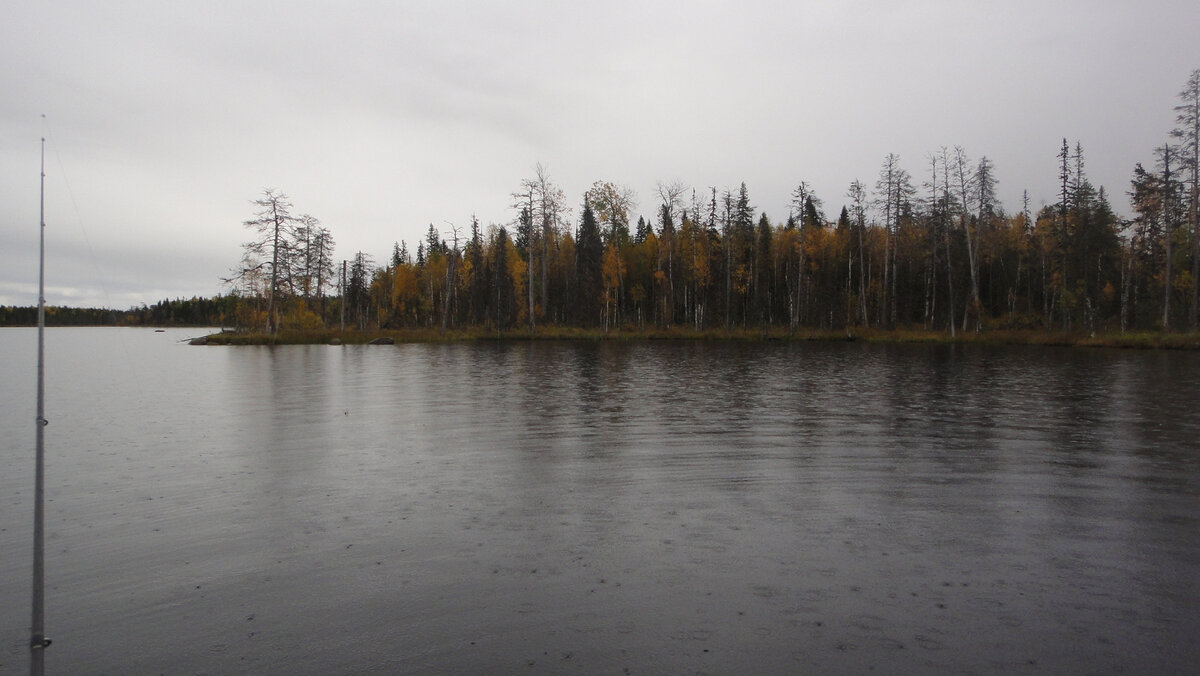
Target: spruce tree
[(502, 284), (589, 255), (1188, 132), (642, 231)]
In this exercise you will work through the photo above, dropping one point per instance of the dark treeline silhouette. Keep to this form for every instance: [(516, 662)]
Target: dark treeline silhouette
[(179, 312), (59, 316)]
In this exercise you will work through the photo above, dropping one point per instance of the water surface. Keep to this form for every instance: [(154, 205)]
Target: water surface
[(654, 507)]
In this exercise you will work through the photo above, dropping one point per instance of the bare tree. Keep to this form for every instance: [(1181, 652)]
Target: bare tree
[(321, 262), (547, 204), (670, 195), (273, 223), (892, 191), (669, 210), (942, 203), (962, 188), (312, 259)]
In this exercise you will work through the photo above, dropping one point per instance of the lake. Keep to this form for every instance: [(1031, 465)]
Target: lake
[(644, 507)]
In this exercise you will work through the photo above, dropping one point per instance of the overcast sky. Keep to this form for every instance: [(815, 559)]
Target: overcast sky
[(165, 119)]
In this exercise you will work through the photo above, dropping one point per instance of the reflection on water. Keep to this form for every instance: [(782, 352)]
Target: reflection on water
[(595, 507)]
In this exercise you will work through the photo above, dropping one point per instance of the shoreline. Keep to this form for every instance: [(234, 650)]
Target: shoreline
[(1131, 340)]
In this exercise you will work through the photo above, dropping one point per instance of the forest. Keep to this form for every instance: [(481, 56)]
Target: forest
[(935, 253)]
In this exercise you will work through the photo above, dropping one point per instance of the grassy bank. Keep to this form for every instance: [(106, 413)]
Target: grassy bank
[(1143, 340)]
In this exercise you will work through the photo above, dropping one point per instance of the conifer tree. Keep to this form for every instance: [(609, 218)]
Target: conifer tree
[(1188, 132), (643, 229), (762, 270), (526, 234), (589, 254), (475, 277), (358, 289), (858, 205), (502, 283), (1169, 200), (666, 262)]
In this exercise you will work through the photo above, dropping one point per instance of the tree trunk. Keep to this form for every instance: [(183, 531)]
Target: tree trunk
[(1169, 228), (1195, 218), (274, 270), (950, 282), (862, 274), (449, 289), (972, 258)]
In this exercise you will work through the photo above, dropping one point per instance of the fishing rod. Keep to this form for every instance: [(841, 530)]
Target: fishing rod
[(38, 641)]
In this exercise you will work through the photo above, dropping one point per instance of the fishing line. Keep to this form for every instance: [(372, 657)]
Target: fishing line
[(98, 280), (91, 251)]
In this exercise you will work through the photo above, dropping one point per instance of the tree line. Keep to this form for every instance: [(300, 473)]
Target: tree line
[(195, 311), (938, 252)]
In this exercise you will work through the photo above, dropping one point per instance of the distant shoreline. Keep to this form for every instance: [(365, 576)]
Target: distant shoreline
[(1138, 340)]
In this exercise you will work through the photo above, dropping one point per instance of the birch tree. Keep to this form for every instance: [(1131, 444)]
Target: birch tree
[(611, 205)]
